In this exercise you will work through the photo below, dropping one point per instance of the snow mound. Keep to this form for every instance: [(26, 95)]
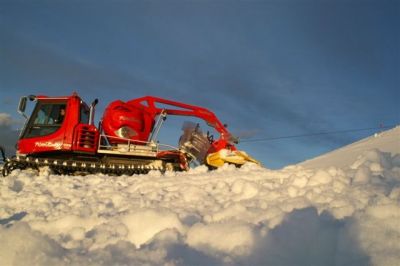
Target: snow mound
[(145, 224), (327, 215), (229, 238)]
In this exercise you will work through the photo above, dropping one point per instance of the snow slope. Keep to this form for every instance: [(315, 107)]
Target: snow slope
[(388, 141), (339, 209)]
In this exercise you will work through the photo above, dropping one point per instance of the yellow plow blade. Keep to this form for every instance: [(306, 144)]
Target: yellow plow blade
[(218, 159)]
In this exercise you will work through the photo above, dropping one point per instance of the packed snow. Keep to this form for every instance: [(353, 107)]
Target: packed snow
[(340, 209)]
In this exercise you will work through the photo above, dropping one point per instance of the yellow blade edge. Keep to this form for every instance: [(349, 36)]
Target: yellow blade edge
[(218, 159)]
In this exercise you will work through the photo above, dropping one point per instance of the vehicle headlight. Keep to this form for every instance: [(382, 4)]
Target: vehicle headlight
[(126, 132)]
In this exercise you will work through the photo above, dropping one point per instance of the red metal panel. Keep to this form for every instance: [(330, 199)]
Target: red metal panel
[(86, 138)]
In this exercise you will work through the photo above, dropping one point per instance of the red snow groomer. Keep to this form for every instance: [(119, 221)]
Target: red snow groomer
[(60, 133)]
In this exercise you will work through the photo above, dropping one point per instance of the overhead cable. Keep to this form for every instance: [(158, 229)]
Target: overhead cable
[(316, 134)]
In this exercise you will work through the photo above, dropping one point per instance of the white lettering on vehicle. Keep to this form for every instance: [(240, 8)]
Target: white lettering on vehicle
[(48, 144)]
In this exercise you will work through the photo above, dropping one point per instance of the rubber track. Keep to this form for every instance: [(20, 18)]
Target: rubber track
[(69, 166)]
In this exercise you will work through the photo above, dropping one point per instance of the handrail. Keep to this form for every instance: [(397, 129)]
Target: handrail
[(129, 142)]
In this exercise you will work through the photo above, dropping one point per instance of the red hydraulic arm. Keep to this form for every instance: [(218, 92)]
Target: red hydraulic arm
[(148, 103), (139, 115)]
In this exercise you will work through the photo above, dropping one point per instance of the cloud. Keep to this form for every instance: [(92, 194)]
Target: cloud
[(5, 120), (8, 136)]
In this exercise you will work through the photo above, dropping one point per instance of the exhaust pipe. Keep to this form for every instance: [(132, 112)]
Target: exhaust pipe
[(91, 112)]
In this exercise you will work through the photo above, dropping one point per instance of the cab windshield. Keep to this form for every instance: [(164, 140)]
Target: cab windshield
[(46, 119)]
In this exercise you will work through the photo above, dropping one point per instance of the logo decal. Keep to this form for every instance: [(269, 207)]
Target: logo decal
[(49, 144)]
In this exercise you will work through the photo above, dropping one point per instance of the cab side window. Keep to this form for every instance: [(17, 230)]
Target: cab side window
[(84, 115)]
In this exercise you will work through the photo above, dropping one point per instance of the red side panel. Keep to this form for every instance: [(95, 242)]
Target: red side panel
[(52, 142), (86, 138)]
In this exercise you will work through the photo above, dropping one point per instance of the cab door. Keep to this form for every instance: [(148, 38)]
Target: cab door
[(46, 127)]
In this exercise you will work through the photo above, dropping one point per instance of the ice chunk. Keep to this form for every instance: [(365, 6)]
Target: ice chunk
[(145, 224), (385, 211), (292, 191), (229, 237), (362, 176), (193, 193), (236, 210), (321, 177), (244, 189), (25, 246), (300, 182)]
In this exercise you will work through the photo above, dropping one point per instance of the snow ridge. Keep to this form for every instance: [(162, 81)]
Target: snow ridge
[(249, 216)]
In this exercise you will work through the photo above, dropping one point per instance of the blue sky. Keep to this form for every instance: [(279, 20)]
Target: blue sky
[(267, 68)]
